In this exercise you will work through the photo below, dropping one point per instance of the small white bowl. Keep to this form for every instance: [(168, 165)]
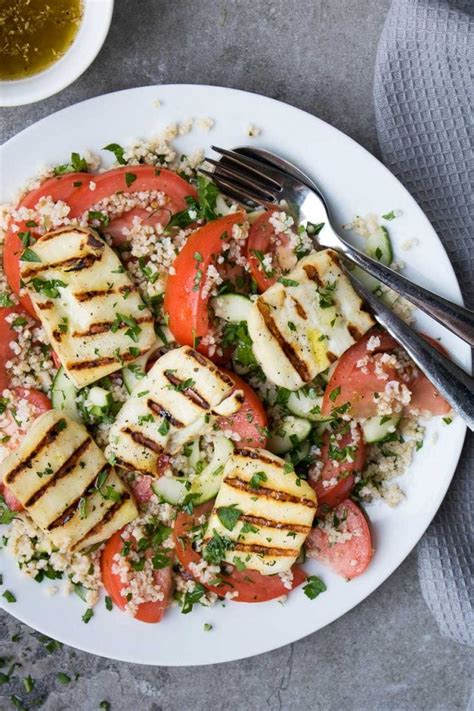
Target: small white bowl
[(90, 37)]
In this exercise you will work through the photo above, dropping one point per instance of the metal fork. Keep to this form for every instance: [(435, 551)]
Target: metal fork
[(266, 184), (247, 178)]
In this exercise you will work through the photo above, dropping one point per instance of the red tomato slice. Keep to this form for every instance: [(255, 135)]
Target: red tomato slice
[(350, 384), (250, 421), (185, 303), (8, 426), (147, 611), (7, 335), (348, 558), (60, 187), (263, 239), (357, 387), (117, 227), (251, 585), (332, 495), (147, 178), (424, 396)]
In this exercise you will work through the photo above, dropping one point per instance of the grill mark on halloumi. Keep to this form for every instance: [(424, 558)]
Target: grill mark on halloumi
[(260, 549), (47, 439), (205, 363), (190, 393), (70, 510), (105, 326), (63, 471), (157, 409), (313, 274), (287, 348), (97, 293), (44, 305), (354, 331), (110, 513), (299, 309), (252, 454), (261, 491), (143, 440), (129, 465), (107, 360), (74, 264), (268, 523)]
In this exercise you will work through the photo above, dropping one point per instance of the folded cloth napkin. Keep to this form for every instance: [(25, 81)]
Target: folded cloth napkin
[(423, 95)]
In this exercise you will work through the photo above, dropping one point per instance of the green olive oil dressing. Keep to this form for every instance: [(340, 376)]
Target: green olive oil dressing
[(34, 34)]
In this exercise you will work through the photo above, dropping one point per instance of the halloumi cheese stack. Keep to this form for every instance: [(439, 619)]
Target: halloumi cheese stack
[(276, 511), (66, 485), (304, 322), (91, 311), (171, 405)]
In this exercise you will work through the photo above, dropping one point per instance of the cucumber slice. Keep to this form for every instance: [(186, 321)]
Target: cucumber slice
[(98, 397), (195, 453), (133, 373), (379, 246), (290, 432), (171, 489), (64, 394), (377, 428), (305, 403), (203, 486), (206, 484), (231, 307)]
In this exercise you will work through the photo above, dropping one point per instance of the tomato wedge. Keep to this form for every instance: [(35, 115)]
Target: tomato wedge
[(147, 611), (335, 481), (357, 385), (348, 558), (15, 433), (186, 299), (7, 335), (250, 421), (262, 240), (250, 585), (60, 187), (134, 179)]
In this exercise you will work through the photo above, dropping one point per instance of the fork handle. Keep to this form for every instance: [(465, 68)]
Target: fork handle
[(456, 386), (456, 318)]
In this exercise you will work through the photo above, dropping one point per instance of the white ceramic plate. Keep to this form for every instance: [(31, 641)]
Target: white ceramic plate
[(355, 184)]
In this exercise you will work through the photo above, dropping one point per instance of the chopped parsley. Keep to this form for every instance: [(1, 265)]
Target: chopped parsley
[(63, 678), (314, 587), (288, 282), (100, 217), (9, 596), (88, 615), (191, 597), (257, 479), (389, 215), (130, 178), (29, 256), (133, 329), (334, 394), (215, 549), (228, 516), (118, 152), (77, 165), (48, 287)]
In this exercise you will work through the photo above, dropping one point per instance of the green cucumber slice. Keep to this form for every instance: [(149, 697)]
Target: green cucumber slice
[(231, 307), (305, 403), (379, 246), (290, 432), (64, 394), (377, 428), (171, 489)]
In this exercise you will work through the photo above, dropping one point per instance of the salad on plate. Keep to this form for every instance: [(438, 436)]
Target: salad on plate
[(194, 398)]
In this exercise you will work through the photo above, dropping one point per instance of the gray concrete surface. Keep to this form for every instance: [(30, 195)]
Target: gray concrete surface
[(387, 653)]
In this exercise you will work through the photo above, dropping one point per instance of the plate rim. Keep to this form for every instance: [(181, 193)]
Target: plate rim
[(9, 144)]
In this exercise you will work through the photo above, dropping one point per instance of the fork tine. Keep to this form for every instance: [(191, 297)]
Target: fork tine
[(253, 166), (225, 171), (235, 191)]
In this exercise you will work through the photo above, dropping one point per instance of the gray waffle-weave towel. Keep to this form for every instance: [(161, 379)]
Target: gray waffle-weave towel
[(423, 96)]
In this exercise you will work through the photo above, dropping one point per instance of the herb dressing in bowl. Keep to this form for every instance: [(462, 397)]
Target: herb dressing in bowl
[(34, 34)]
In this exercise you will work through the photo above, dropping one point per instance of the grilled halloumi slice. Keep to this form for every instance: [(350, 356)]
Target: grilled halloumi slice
[(66, 485), (80, 291), (303, 324), (276, 511), (171, 405)]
